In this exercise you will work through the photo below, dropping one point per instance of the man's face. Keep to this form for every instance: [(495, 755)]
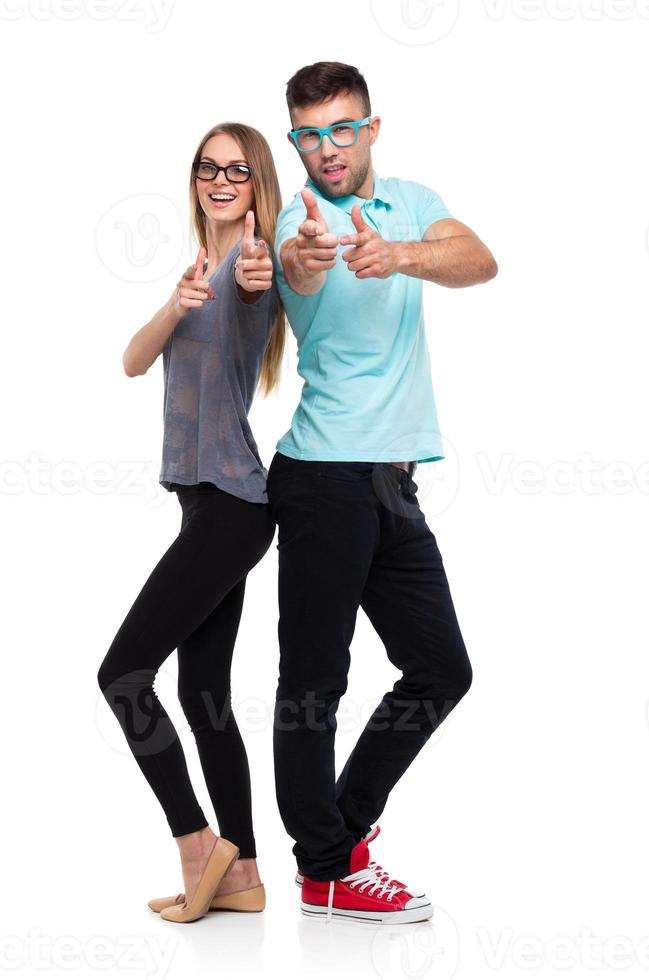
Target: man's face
[(337, 170)]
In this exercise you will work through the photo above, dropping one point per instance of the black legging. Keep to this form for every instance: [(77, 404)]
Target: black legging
[(192, 601)]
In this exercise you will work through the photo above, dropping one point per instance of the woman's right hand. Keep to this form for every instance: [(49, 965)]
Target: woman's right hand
[(192, 290)]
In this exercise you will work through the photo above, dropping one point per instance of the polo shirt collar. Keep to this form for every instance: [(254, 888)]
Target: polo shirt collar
[(381, 193)]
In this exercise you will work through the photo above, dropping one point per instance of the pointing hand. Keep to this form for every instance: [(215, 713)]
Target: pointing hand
[(253, 269), (371, 256), (192, 289), (317, 248)]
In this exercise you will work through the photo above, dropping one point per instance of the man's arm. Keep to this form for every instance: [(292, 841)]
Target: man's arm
[(450, 254)]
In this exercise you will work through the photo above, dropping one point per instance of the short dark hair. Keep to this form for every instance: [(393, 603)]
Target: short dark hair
[(323, 81)]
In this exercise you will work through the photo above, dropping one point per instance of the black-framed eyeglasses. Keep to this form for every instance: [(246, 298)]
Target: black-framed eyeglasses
[(235, 173)]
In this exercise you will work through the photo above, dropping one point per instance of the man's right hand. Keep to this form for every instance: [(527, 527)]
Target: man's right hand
[(316, 248)]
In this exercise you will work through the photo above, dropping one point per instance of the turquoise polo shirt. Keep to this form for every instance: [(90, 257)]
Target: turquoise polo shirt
[(362, 350)]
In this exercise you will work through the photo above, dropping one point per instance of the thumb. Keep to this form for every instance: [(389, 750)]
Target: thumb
[(200, 262), (311, 205), (357, 218)]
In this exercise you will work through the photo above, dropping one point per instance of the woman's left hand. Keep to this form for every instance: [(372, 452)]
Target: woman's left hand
[(253, 269)]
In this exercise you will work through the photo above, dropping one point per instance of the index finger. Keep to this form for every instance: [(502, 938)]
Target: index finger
[(352, 239)]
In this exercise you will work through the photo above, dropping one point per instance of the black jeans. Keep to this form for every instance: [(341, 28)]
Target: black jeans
[(192, 601), (350, 535)]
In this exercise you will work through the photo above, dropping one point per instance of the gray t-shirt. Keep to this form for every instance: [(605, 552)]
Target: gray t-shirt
[(211, 364)]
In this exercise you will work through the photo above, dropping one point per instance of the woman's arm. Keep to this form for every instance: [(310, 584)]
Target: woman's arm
[(146, 345)]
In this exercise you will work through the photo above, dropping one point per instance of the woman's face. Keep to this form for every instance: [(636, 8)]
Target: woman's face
[(223, 150)]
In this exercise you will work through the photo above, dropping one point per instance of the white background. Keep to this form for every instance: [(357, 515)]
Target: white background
[(525, 816)]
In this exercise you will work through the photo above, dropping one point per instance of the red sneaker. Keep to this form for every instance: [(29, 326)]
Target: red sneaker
[(363, 894), (415, 892), (369, 837)]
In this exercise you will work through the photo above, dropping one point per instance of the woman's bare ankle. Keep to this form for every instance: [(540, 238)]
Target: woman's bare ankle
[(197, 844), (243, 874), (195, 849)]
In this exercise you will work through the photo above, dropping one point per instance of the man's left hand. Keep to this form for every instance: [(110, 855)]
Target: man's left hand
[(371, 256)]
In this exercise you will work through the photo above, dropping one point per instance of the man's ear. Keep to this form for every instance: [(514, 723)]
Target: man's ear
[(375, 127)]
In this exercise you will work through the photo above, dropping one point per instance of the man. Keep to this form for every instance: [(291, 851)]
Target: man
[(351, 252)]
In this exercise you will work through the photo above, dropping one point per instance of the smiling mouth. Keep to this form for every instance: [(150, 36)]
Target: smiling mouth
[(222, 200)]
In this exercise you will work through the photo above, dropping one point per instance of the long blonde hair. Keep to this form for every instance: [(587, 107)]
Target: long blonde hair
[(267, 205)]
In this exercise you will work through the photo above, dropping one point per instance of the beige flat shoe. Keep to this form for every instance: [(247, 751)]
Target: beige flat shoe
[(222, 857), (248, 900)]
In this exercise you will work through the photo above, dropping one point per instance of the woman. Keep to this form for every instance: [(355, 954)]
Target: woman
[(221, 334)]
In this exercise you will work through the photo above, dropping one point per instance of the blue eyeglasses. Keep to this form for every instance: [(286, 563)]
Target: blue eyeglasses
[(340, 134)]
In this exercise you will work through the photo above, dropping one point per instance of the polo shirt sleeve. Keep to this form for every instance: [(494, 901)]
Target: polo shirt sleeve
[(430, 208), (289, 220)]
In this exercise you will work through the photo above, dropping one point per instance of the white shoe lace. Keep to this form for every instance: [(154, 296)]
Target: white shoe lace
[(367, 878), (380, 872)]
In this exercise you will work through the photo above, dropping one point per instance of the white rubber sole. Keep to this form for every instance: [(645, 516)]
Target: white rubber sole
[(406, 915)]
